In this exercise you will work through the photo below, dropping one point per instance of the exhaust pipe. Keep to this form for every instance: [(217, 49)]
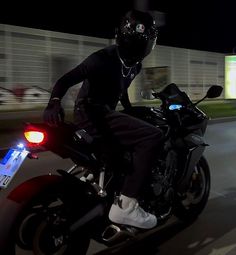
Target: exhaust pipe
[(114, 233)]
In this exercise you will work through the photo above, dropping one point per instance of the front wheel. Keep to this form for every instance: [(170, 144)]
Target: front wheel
[(188, 206)]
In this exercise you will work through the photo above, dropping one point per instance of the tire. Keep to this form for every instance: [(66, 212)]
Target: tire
[(43, 227), (188, 207), (44, 242)]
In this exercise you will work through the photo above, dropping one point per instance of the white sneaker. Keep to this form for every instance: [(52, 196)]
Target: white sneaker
[(133, 215)]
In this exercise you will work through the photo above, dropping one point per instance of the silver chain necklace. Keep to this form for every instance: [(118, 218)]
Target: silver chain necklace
[(124, 66), (122, 71)]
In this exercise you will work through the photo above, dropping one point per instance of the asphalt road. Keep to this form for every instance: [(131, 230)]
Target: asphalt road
[(214, 233)]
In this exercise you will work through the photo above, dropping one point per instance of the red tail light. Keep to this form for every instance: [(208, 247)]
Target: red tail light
[(35, 137)]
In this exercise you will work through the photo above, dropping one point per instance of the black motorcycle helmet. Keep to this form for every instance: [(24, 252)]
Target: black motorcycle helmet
[(135, 37)]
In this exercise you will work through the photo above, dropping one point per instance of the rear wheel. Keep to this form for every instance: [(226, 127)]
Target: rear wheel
[(43, 228), (189, 205), (54, 239)]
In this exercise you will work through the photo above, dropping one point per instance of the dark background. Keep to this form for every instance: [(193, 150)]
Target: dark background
[(195, 24)]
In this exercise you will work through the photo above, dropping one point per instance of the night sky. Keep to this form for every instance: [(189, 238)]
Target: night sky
[(195, 24)]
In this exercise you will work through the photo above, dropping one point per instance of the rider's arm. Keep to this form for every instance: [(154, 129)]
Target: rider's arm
[(73, 77), (54, 113)]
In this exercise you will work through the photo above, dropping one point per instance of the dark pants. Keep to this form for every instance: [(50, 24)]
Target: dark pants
[(142, 137)]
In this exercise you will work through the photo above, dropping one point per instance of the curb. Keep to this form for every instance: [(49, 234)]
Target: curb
[(221, 120)]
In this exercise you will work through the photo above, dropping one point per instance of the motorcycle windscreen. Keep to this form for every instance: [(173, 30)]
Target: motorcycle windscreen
[(172, 95)]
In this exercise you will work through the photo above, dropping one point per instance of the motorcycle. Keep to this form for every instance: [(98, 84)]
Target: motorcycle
[(61, 213)]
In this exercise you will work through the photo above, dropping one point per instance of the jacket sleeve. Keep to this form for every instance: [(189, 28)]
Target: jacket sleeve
[(83, 71)]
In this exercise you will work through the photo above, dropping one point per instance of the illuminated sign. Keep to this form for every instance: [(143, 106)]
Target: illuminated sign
[(230, 77)]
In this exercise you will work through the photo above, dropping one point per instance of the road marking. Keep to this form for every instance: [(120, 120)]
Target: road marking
[(223, 250), (214, 193)]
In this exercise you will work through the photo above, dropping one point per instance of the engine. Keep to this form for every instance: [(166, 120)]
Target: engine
[(159, 182)]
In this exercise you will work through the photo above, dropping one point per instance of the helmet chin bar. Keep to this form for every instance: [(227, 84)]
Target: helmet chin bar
[(123, 61), (129, 59)]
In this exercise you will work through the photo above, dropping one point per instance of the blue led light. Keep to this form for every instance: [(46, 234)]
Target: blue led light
[(175, 107), (20, 146)]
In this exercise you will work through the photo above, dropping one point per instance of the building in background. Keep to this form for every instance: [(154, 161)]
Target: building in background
[(34, 58), (230, 77)]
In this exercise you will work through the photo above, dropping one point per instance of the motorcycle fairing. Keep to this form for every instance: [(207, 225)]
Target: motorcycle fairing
[(193, 157)]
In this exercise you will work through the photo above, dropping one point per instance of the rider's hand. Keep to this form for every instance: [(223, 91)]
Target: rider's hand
[(54, 113)]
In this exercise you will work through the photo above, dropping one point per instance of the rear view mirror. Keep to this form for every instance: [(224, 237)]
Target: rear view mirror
[(147, 94), (214, 91)]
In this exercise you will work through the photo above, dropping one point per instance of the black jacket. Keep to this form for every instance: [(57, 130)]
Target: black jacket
[(105, 80)]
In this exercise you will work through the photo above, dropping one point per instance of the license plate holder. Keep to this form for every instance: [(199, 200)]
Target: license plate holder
[(10, 164)]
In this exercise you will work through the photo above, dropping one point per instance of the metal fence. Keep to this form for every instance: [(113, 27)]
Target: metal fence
[(31, 60)]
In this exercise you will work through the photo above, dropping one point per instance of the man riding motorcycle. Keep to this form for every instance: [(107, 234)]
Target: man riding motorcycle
[(107, 75)]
